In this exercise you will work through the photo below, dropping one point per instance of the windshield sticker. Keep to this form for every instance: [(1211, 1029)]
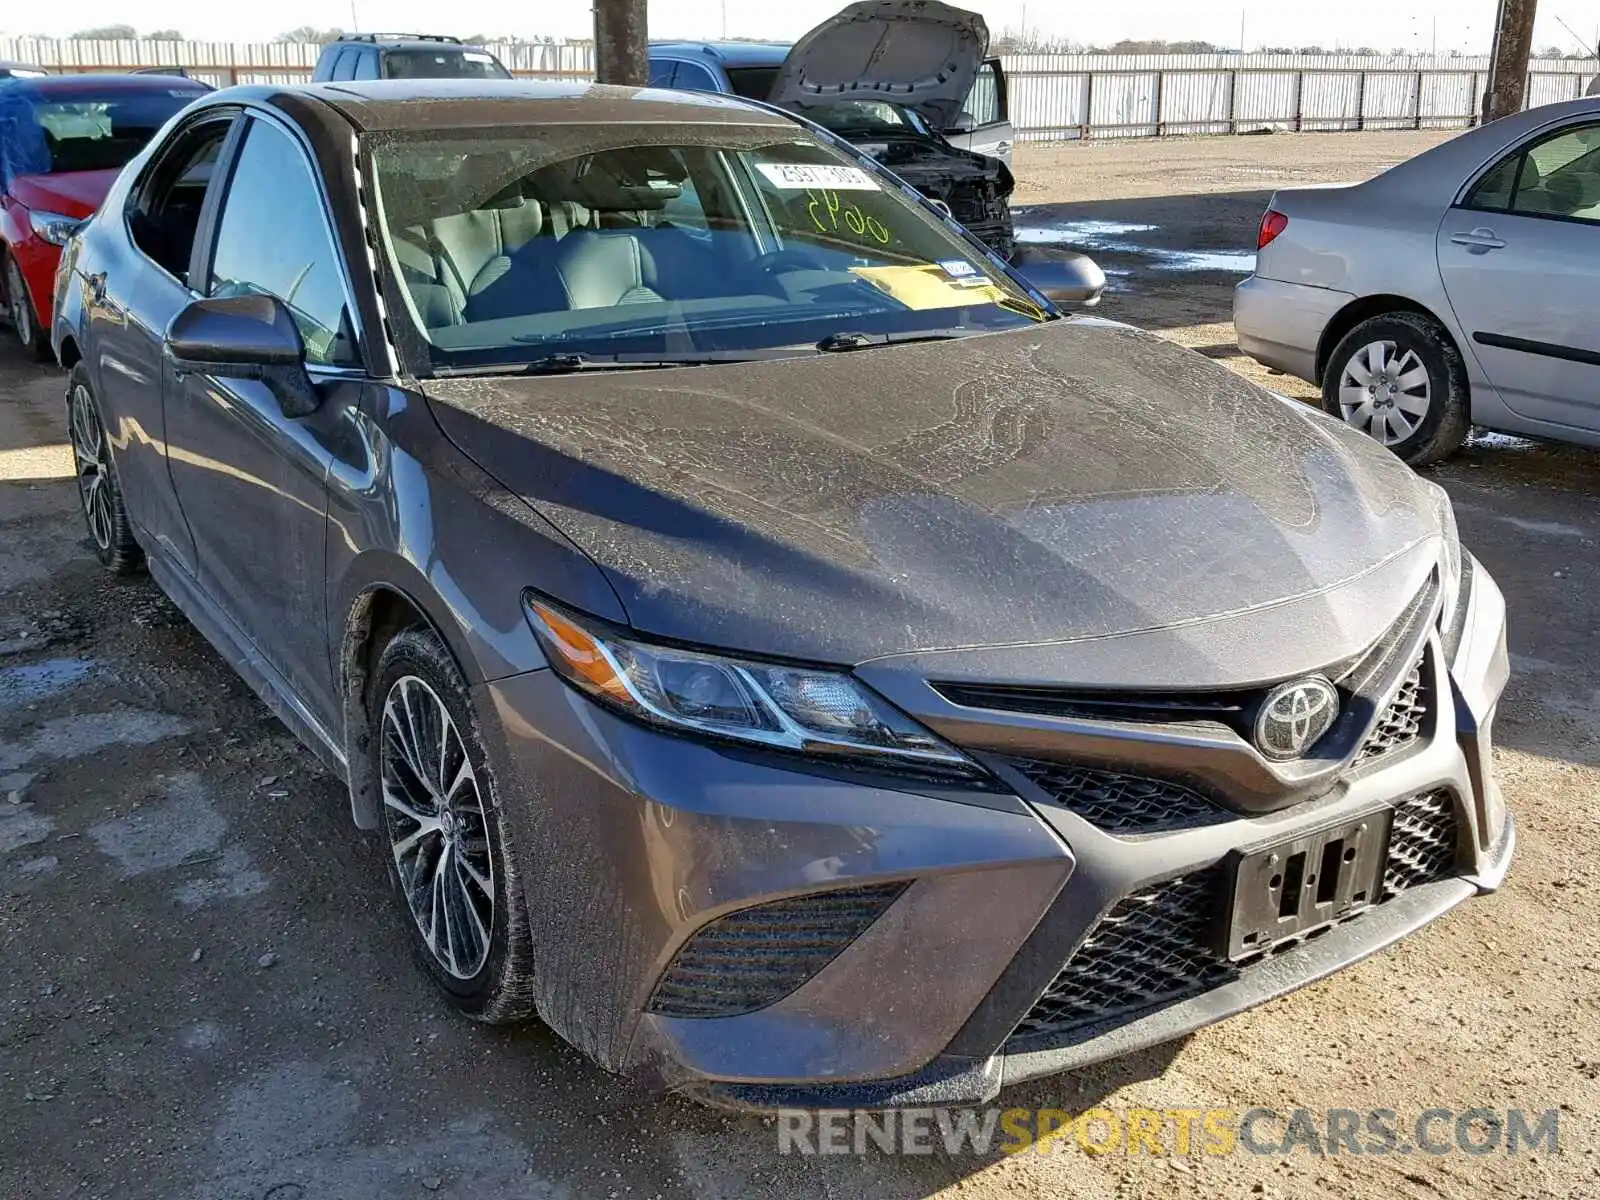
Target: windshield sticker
[(829, 213), (797, 177)]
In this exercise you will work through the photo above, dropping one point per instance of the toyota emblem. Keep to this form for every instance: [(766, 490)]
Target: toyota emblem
[(1294, 717)]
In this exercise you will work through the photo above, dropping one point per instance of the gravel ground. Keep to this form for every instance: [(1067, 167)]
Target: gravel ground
[(207, 996)]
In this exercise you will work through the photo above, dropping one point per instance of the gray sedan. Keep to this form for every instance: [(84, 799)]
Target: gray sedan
[(771, 642), (1456, 289)]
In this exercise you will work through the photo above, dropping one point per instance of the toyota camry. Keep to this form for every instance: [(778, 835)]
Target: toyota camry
[(773, 643)]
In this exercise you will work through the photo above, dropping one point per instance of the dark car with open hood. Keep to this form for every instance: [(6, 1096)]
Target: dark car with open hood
[(905, 81), (773, 643)]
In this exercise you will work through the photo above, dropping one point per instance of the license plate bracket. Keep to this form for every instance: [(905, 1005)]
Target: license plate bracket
[(1297, 885)]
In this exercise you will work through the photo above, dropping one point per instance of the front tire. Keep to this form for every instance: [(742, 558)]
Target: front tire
[(99, 487), (447, 842), (20, 310), (1399, 379)]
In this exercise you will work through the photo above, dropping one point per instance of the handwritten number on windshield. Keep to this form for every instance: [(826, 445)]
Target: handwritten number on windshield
[(828, 211)]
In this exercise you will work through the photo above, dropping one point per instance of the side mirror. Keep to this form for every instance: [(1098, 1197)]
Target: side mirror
[(1061, 276), (250, 336), (963, 123)]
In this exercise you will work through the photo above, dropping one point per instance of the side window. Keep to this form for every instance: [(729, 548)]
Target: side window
[(273, 238), (983, 102), (692, 77), (366, 65), (1558, 177), (344, 65), (661, 72), (165, 214)]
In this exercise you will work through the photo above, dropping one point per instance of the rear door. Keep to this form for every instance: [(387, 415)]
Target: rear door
[(985, 125), (253, 482), (1518, 256), (133, 291)]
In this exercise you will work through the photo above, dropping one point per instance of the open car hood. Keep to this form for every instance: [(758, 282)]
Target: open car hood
[(919, 53)]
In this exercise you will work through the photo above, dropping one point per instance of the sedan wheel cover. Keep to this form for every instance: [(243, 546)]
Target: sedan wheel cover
[(433, 809), (1385, 392), (89, 451)]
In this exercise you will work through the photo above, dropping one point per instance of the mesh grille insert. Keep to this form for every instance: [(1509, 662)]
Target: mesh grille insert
[(757, 956), (1150, 949), (1155, 947), (1121, 803), (1400, 724), (1422, 842)]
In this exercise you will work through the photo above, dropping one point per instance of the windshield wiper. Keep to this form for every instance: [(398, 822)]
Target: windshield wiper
[(568, 364), (837, 343)]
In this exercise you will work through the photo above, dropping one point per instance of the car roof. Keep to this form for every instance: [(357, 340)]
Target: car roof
[(101, 82), (403, 104), (407, 43), (729, 54)]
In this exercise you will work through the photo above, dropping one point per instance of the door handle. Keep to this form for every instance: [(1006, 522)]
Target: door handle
[(1481, 238)]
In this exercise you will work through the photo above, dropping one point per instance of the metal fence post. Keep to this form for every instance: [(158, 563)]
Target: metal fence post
[(1299, 101), (1086, 130), (1161, 77), (1361, 101), (1418, 109), (1233, 102)]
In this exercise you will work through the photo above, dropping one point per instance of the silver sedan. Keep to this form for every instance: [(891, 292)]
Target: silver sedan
[(1457, 289)]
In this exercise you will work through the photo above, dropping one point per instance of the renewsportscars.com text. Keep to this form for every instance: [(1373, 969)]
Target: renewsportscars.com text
[(1171, 1131)]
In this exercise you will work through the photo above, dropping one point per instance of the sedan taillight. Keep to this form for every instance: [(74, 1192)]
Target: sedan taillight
[(1272, 224)]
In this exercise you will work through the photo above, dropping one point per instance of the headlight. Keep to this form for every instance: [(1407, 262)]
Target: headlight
[(789, 708), (1454, 572), (53, 227)]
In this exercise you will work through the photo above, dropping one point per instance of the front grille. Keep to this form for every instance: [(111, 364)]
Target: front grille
[(757, 956), (1121, 803), (1151, 949), (1156, 947), (1422, 842), (1401, 722)]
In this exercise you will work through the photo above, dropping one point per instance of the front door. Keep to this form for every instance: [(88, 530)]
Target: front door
[(985, 122), (1520, 260), (253, 482)]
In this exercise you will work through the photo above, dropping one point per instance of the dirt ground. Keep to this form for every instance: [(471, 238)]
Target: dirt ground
[(206, 995)]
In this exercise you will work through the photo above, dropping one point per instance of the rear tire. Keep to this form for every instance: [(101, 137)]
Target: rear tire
[(99, 486), (1399, 379), (448, 844), (20, 310)]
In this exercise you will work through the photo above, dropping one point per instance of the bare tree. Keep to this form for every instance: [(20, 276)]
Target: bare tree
[(310, 33), (106, 33)]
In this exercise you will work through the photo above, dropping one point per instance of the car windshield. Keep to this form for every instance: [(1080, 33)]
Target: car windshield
[(693, 241), (61, 132), (443, 64), (866, 116)]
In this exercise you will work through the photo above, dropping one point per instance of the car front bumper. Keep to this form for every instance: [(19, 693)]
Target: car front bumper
[(634, 844), (1281, 324)]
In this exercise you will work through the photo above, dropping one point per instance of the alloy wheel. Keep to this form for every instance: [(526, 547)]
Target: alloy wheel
[(93, 468), (438, 833), (18, 308), (1385, 391)]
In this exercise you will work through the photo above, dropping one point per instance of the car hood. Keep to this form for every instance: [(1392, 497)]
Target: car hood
[(1072, 480), (919, 53), (70, 193)]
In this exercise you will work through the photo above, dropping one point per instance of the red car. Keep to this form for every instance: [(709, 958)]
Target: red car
[(63, 138)]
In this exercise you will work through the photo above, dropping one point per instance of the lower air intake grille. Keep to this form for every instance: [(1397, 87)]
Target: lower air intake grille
[(1122, 803), (1148, 950), (757, 956), (1400, 724), (1422, 842), (1156, 946)]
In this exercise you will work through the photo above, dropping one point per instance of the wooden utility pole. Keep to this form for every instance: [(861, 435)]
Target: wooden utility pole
[(1508, 70), (620, 42)]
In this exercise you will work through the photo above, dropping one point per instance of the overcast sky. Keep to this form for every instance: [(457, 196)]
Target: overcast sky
[(1465, 25)]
